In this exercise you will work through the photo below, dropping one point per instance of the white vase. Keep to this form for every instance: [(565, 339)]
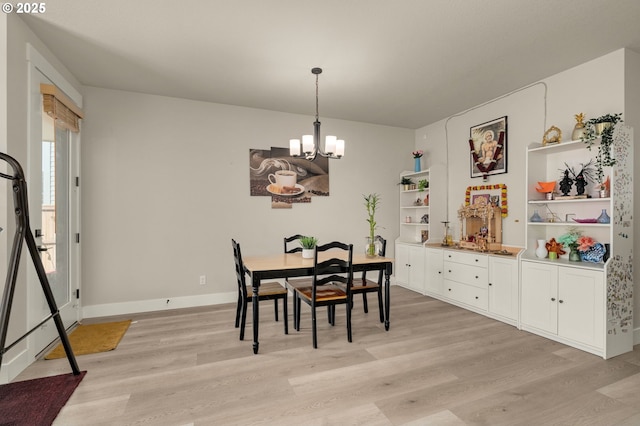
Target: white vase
[(308, 253), (541, 250)]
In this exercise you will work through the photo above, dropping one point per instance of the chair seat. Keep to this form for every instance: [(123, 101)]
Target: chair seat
[(268, 289), (325, 293), (359, 286)]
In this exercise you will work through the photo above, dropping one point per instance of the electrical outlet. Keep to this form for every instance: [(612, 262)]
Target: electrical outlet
[(203, 279)]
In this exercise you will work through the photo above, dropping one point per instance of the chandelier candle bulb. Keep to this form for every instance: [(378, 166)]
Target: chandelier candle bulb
[(294, 147), (339, 148), (307, 143), (330, 144)]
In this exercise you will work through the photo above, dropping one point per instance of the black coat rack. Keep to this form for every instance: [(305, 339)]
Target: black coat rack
[(23, 234)]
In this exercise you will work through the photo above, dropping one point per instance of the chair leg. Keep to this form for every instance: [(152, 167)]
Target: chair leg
[(297, 302), (380, 309), (238, 310), (295, 310), (275, 308), (285, 312), (313, 327), (364, 303), (244, 319), (348, 323)]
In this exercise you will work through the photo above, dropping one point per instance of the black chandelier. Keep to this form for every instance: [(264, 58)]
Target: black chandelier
[(310, 146)]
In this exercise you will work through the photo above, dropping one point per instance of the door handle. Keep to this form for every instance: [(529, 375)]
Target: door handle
[(42, 248)]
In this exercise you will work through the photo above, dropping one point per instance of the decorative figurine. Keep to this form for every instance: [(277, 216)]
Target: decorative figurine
[(566, 183)]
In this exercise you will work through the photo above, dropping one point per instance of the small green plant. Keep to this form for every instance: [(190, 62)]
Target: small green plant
[(422, 184), (405, 181), (371, 203), (308, 243)]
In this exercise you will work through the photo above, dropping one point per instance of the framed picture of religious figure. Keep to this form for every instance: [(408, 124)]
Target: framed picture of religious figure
[(488, 145)]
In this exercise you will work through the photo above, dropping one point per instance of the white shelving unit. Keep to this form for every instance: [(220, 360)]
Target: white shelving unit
[(582, 304), (414, 217)]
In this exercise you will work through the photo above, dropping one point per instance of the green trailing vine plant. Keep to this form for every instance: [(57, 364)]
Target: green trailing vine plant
[(591, 135)]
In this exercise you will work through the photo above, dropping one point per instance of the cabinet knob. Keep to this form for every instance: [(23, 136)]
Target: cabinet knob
[(476, 277), (553, 299), (449, 270), (477, 298), (449, 289), (561, 301), (449, 256), (476, 260), (490, 284), (439, 272)]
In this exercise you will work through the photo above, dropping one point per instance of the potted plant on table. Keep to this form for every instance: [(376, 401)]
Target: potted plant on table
[(371, 203), (308, 246), (602, 127)]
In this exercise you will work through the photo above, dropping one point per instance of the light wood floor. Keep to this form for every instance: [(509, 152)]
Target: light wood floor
[(437, 365)]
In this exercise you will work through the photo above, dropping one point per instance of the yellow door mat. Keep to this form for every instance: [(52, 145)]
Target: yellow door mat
[(92, 338)]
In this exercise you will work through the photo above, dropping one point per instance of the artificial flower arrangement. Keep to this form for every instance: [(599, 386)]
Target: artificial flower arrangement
[(418, 153), (583, 248)]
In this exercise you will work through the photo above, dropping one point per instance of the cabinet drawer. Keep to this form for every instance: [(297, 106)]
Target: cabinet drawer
[(468, 258), (470, 295), (466, 274)]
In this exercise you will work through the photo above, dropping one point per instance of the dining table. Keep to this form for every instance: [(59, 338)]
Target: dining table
[(290, 265)]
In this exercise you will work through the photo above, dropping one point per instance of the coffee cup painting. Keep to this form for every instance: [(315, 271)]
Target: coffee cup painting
[(287, 180)]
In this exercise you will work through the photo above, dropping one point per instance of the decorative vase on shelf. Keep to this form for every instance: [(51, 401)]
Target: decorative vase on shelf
[(574, 255), (578, 130), (604, 217), (541, 250), (535, 217), (417, 166)]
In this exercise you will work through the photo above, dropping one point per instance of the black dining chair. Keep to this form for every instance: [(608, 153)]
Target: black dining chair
[(363, 285), (330, 286), (267, 291), (291, 239)]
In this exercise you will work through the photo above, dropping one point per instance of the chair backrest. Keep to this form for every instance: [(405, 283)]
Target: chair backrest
[(287, 240), (335, 269), (240, 271)]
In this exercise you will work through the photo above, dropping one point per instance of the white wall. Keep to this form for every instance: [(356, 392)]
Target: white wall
[(530, 111), (165, 186)]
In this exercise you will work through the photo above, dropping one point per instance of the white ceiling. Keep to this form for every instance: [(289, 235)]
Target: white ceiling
[(405, 63)]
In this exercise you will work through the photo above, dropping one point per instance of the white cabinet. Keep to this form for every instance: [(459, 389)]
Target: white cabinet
[(564, 303), (503, 288), (409, 266), (434, 276), (586, 305), (466, 278)]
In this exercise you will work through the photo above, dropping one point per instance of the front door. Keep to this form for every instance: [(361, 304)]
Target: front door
[(53, 202)]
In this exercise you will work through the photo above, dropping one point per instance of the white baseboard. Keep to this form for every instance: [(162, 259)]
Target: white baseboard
[(11, 368), (124, 308)]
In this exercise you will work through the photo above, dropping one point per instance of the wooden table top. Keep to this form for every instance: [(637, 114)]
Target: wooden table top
[(294, 261)]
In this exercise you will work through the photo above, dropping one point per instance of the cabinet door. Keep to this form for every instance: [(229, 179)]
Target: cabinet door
[(401, 265), (503, 287), (433, 271), (539, 296), (416, 269), (581, 305)]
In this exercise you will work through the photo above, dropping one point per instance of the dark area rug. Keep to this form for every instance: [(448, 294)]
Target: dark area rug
[(37, 401)]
